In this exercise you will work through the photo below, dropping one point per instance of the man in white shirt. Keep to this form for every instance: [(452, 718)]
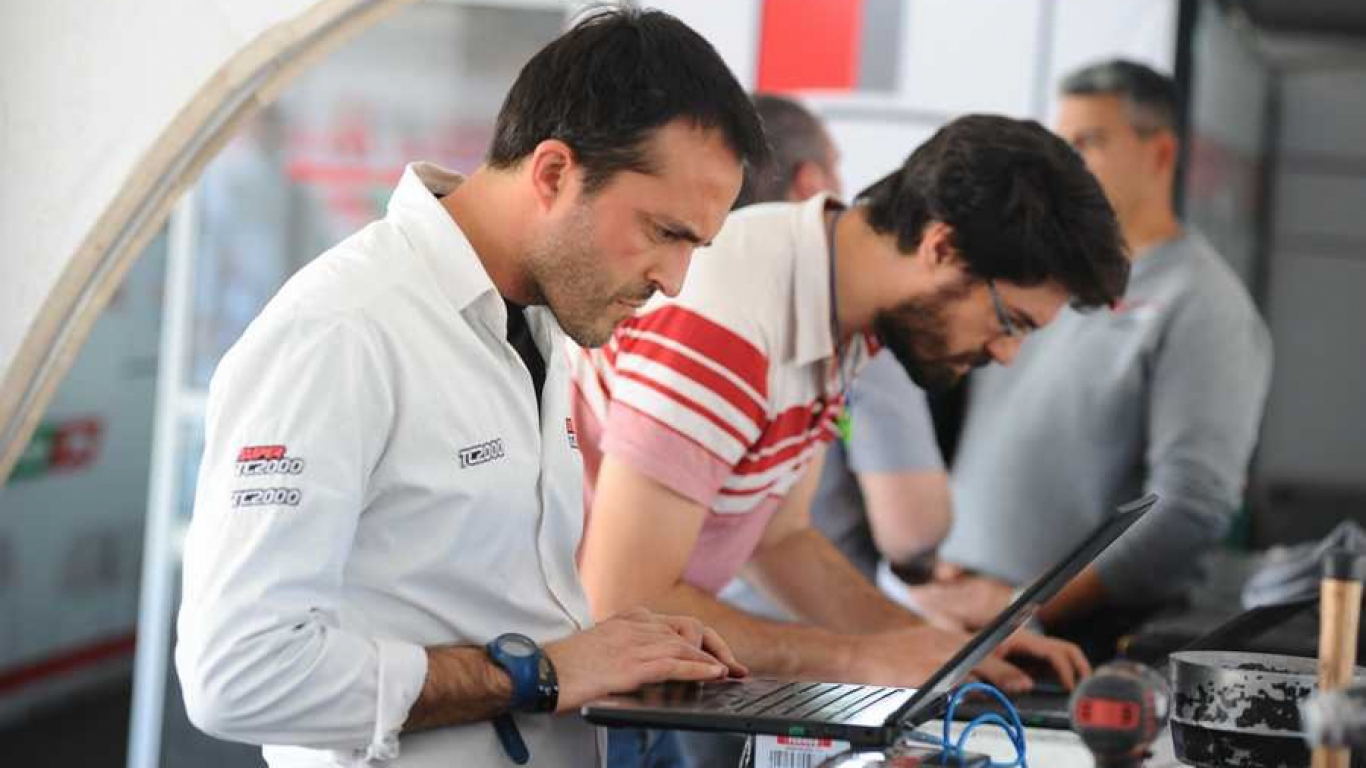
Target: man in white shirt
[(380, 569)]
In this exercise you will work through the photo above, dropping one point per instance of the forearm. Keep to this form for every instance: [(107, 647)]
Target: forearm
[(909, 511), (614, 656), (463, 685), (815, 581), (1160, 557), (616, 576), (767, 648)]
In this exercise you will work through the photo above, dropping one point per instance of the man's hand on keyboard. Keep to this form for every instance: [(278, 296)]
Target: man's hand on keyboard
[(1065, 658)]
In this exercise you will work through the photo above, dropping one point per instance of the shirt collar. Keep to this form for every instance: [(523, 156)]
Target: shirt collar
[(442, 245), (1159, 253), (435, 236), (811, 339)]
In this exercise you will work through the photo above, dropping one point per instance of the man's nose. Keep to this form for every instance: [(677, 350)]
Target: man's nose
[(672, 269), (1004, 349)]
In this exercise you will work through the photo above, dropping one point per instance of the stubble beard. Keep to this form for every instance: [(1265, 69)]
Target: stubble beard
[(568, 277), (915, 332)]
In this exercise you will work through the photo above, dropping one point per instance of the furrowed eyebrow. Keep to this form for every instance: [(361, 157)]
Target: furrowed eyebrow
[(677, 229)]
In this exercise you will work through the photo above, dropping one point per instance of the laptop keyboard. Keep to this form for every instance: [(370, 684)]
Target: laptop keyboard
[(797, 700)]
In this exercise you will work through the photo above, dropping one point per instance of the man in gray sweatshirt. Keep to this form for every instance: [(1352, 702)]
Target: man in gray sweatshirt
[(1162, 393)]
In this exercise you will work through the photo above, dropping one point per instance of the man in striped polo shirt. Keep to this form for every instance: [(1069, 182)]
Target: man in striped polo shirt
[(702, 422)]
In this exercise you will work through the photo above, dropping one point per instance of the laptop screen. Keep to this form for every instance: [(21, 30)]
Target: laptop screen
[(1021, 611)]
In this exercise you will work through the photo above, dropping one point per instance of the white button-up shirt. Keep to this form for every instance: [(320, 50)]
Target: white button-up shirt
[(376, 479)]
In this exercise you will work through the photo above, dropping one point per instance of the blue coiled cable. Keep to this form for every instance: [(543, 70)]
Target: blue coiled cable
[(953, 749)]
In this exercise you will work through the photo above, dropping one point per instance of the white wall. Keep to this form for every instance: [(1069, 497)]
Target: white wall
[(1003, 56), (955, 56), (731, 26), (976, 56)]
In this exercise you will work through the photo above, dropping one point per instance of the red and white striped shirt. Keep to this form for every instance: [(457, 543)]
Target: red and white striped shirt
[(725, 393)]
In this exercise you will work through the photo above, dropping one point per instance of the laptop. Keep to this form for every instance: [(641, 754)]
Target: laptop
[(863, 715)]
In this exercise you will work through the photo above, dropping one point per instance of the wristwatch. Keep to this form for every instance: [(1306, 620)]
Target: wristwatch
[(917, 569), (534, 687)]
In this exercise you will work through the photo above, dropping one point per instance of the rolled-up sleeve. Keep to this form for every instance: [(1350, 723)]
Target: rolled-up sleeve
[(1209, 382), (297, 419)]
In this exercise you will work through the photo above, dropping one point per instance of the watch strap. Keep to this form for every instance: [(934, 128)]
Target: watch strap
[(511, 738)]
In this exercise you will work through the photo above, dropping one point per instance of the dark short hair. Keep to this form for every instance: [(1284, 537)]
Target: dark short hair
[(608, 83), (1021, 204), (796, 136), (1149, 97)]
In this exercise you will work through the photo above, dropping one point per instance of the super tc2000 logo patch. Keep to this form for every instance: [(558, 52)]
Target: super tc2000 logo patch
[(258, 460), (267, 461)]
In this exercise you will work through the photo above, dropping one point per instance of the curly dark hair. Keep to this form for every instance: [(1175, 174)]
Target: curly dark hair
[(1021, 204)]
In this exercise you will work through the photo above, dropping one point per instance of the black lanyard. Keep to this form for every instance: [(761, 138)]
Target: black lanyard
[(519, 336), (844, 423)]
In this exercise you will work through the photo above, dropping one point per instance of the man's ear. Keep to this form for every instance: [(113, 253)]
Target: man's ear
[(808, 180), (1165, 151), (936, 244), (550, 165)]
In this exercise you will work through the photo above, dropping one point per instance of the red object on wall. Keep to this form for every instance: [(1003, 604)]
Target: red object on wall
[(76, 444), (809, 44)]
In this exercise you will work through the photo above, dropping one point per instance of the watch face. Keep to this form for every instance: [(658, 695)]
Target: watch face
[(516, 645)]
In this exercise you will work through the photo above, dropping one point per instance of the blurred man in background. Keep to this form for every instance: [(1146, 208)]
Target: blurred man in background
[(804, 163), (1163, 393)]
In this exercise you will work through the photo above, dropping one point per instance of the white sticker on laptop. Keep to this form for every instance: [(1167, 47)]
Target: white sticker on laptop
[(794, 751)]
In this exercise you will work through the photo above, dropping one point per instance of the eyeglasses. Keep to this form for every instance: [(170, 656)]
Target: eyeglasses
[(1011, 329)]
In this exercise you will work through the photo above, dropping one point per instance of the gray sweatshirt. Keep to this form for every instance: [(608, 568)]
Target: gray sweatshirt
[(1164, 394)]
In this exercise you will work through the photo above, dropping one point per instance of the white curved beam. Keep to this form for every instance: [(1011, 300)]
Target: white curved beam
[(39, 338)]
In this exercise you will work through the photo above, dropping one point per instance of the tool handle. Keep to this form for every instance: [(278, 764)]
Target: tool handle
[(1341, 613), (1339, 617)]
